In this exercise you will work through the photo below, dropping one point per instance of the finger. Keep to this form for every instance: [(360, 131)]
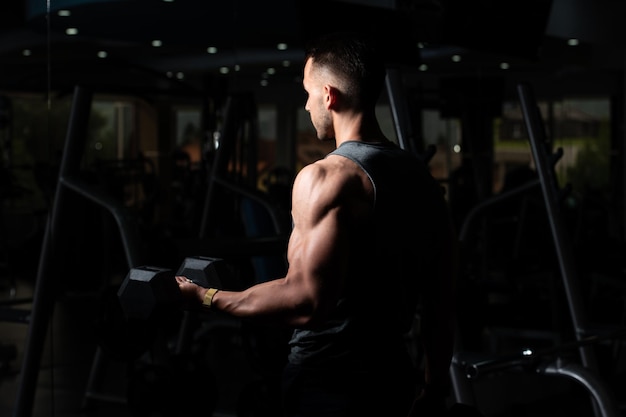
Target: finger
[(183, 280)]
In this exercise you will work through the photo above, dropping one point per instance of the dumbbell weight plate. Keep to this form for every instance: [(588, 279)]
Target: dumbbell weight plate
[(204, 271), (147, 289)]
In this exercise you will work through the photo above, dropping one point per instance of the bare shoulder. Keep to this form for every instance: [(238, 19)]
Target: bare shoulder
[(334, 182), (333, 173)]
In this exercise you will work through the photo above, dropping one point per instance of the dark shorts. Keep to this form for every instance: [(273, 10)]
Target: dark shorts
[(370, 391)]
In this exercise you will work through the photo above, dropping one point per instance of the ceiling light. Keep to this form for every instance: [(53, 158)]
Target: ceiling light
[(572, 42), (157, 43), (224, 70), (211, 50), (504, 65), (286, 63), (264, 83), (71, 31), (102, 54), (423, 67), (64, 13), (27, 52), (456, 58), (281, 46)]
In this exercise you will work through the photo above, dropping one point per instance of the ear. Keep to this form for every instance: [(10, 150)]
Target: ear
[(331, 97)]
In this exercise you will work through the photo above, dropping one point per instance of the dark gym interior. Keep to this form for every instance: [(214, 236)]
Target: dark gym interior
[(157, 132)]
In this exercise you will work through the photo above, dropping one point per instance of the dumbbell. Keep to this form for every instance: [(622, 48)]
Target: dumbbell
[(147, 289)]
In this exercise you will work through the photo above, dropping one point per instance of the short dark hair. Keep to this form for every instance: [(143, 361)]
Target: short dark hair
[(356, 57)]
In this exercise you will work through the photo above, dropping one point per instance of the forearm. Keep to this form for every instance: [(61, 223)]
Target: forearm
[(272, 301)]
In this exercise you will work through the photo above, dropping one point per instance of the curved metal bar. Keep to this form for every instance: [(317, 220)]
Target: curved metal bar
[(126, 222), (605, 402), (478, 209)]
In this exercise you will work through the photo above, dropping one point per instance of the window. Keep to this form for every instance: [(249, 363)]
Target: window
[(580, 127)]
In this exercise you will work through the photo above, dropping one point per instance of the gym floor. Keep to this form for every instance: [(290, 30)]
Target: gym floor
[(64, 390)]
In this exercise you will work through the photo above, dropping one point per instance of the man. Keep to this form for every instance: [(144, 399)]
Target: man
[(371, 241)]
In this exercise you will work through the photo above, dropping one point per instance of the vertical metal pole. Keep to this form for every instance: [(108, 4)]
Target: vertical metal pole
[(45, 287), (399, 109), (550, 189), (215, 169)]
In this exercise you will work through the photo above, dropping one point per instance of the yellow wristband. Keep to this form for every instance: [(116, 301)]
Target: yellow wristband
[(208, 297)]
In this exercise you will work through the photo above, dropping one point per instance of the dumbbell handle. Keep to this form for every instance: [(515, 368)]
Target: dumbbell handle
[(148, 288)]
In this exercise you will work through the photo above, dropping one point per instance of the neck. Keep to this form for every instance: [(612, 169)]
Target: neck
[(358, 128)]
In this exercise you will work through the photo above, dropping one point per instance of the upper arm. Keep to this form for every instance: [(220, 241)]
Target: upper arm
[(328, 197), (318, 246)]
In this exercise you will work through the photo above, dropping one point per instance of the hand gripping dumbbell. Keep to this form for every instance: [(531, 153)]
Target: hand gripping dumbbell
[(147, 289)]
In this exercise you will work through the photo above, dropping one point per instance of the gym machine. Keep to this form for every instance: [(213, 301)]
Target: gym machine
[(44, 294), (466, 366)]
